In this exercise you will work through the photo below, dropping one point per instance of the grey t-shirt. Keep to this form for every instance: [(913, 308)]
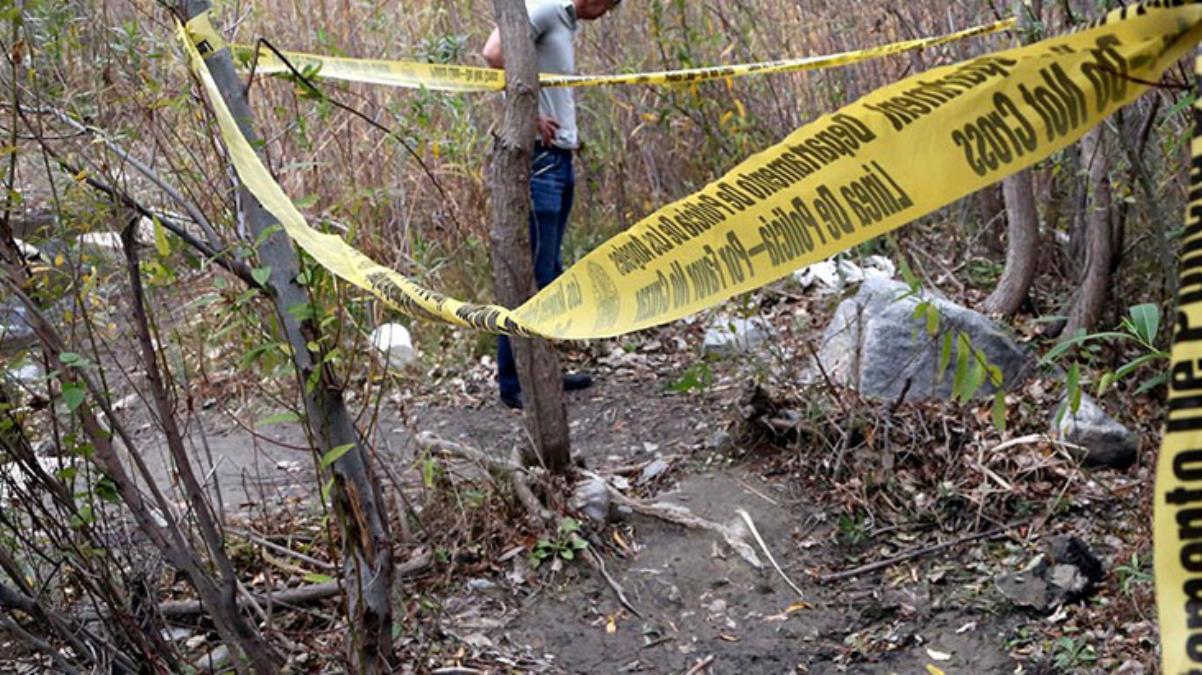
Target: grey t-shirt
[(553, 26)]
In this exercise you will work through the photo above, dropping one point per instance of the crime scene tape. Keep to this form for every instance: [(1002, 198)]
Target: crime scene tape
[(834, 183), (411, 74), (1178, 505), (843, 179)]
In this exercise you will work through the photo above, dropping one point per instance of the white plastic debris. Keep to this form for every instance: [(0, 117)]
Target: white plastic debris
[(728, 335), (834, 275), (395, 345)]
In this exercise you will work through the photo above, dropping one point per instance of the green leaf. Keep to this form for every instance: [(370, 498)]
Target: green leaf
[(963, 349), (932, 320), (1080, 338), (999, 411), (1105, 383), (285, 417), (567, 554), (315, 578), (945, 356), (976, 378), (261, 275), (1133, 365), (73, 396), (1145, 319), (73, 360), (106, 489), (328, 459), (161, 244), (326, 489), (1152, 383), (1074, 388)]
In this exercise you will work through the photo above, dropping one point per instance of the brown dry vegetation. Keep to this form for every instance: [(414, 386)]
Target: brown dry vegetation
[(114, 65)]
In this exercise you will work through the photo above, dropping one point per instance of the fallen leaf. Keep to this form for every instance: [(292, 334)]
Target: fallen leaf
[(938, 656), (934, 671), (621, 542), (611, 626)]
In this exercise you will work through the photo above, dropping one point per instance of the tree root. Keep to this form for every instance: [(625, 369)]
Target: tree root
[(304, 595), (680, 515), (511, 469)]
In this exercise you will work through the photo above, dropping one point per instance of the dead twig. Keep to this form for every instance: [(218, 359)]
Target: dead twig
[(598, 564), (764, 547), (304, 595), (701, 665), (679, 515), (917, 553)]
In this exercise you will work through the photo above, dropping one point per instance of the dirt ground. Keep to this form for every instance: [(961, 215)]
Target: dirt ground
[(696, 606)]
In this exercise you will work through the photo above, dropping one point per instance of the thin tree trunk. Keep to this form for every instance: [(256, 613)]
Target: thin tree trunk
[(210, 533), (1094, 290), (358, 502), (1022, 226), (509, 182)]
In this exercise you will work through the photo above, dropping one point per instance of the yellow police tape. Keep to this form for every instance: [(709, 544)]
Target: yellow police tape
[(1178, 510), (895, 155), (468, 79)]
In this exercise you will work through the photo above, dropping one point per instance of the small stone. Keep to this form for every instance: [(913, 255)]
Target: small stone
[(1070, 550), (1106, 442), (591, 497), (478, 641), (15, 329), (1067, 579), (480, 585), (653, 470), (1068, 573), (177, 634), (716, 607), (719, 440)]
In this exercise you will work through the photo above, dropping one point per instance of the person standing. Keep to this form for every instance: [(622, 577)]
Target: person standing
[(553, 25)]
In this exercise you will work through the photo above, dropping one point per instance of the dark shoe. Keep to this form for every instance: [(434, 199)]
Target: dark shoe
[(577, 381), (512, 401)]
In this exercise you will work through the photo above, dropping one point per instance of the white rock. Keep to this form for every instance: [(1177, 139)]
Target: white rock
[(14, 475), (27, 250), (879, 266), (727, 335), (27, 373), (104, 244), (395, 345)]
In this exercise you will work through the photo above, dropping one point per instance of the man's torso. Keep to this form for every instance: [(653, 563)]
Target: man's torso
[(553, 23)]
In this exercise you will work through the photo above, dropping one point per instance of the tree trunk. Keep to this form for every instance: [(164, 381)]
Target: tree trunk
[(1094, 289), (992, 210), (513, 269), (358, 502), (1022, 226)]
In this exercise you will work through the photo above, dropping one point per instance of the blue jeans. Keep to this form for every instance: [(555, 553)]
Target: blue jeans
[(552, 188)]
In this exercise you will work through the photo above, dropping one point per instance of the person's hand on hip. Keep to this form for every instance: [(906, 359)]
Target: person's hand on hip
[(547, 130)]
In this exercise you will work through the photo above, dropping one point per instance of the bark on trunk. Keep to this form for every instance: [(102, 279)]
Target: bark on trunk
[(509, 182), (1094, 289), (357, 497), (1022, 246), (1022, 226)]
